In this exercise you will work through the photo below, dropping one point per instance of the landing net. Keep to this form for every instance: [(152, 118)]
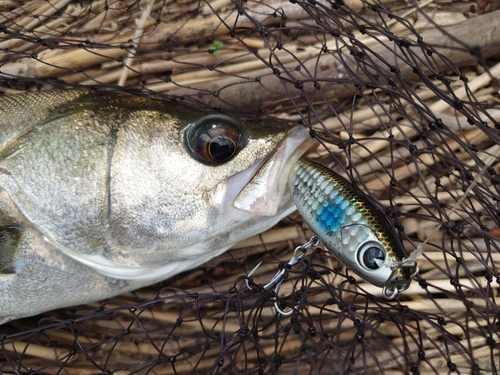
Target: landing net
[(403, 96)]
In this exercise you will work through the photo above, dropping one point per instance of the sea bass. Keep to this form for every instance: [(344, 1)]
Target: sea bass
[(353, 229), (103, 192)]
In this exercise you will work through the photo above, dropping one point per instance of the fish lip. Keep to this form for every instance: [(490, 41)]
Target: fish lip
[(265, 183)]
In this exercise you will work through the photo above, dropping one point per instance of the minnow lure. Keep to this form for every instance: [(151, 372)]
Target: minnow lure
[(354, 230)]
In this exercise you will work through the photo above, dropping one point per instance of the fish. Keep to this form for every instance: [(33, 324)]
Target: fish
[(350, 226), (103, 192)]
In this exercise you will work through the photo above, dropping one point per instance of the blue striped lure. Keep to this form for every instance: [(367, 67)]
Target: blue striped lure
[(356, 232)]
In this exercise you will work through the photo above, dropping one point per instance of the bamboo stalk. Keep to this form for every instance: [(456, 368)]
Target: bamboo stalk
[(274, 235), (216, 6), (255, 68), (136, 40), (272, 88), (38, 15), (435, 286), (472, 86), (35, 350)]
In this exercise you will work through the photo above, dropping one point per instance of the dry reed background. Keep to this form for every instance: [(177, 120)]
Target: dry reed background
[(403, 95)]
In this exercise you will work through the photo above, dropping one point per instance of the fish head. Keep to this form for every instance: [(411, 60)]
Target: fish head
[(103, 192), (242, 162), (200, 183)]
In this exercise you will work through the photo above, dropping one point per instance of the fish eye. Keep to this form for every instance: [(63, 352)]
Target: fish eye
[(372, 256), (216, 139)]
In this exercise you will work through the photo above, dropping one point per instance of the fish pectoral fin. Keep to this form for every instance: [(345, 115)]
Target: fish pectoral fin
[(9, 240)]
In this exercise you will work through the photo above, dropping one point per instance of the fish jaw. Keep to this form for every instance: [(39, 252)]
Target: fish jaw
[(262, 194)]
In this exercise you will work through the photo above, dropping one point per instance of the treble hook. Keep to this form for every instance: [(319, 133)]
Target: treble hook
[(280, 276)]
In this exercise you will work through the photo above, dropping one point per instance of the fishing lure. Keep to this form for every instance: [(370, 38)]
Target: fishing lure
[(354, 230)]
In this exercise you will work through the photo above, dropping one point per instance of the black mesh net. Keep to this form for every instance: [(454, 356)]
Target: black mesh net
[(403, 95)]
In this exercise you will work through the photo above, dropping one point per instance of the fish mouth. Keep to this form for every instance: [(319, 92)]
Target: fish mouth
[(260, 189)]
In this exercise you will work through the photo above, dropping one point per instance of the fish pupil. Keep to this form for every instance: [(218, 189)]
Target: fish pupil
[(373, 258), (221, 149)]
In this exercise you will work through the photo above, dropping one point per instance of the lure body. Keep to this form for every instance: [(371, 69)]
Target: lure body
[(349, 226)]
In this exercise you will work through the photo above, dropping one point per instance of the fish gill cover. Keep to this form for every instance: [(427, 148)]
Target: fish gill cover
[(404, 95)]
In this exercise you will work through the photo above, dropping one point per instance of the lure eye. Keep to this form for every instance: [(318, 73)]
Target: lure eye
[(216, 139), (372, 257)]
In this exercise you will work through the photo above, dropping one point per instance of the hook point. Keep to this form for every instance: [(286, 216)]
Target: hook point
[(252, 272)]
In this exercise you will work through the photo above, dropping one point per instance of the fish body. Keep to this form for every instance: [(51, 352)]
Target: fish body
[(103, 192), (349, 225)]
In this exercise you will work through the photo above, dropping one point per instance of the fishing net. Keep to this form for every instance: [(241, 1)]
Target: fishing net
[(403, 97)]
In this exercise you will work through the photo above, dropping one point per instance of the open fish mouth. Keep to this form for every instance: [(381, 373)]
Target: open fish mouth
[(259, 190)]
